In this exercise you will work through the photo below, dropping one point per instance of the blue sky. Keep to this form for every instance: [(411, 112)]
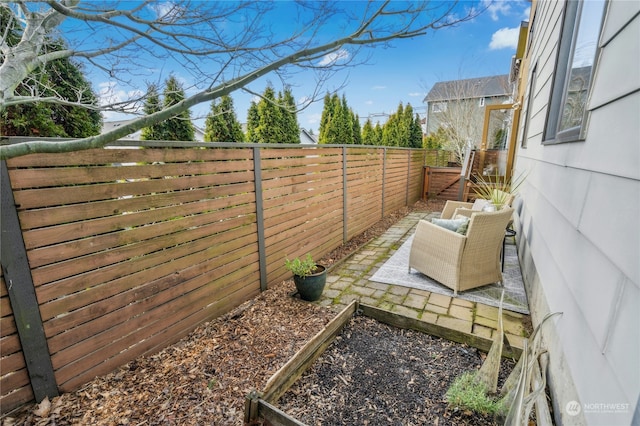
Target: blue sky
[(402, 73)]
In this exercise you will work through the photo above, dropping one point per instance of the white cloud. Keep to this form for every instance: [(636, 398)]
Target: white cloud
[(496, 8), (416, 94), (505, 38), (369, 103), (109, 93), (333, 57), (379, 87), (313, 118), (167, 11)]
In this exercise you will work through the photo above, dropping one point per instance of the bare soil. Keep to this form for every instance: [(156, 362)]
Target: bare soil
[(376, 374), (204, 378)]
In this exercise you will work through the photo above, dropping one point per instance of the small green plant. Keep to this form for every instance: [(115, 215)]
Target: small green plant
[(468, 393), (301, 268), (497, 189)]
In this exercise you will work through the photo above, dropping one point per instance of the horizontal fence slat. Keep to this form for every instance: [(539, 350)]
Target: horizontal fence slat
[(130, 249)]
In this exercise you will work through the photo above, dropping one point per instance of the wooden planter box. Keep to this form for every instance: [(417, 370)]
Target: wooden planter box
[(260, 406)]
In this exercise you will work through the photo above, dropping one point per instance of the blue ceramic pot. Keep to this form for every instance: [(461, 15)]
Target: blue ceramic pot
[(310, 287)]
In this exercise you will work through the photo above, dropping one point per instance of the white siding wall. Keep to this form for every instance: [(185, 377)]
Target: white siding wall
[(579, 224)]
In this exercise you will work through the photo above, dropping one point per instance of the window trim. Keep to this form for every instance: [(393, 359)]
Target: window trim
[(559, 91), (441, 107), (532, 88)]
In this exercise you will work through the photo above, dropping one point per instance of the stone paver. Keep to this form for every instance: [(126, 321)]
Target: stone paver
[(394, 298), (429, 317), (440, 300), (341, 284), (363, 291), (486, 311), (482, 331), (419, 292), (454, 324), (350, 281), (461, 312), (399, 291), (407, 312), (378, 286), (491, 323), (330, 293), (415, 301), (463, 303), (435, 308)]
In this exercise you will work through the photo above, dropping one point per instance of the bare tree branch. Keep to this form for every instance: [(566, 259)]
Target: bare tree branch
[(224, 46)]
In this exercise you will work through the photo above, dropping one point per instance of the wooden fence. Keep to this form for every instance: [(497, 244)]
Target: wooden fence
[(130, 248)]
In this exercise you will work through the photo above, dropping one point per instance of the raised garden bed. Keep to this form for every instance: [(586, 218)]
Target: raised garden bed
[(362, 370)]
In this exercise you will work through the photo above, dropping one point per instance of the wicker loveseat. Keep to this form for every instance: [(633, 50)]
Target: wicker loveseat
[(461, 262)]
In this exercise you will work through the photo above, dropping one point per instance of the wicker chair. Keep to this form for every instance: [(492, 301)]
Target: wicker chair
[(461, 262), (449, 210)]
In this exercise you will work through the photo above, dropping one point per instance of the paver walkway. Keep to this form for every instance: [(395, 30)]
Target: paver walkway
[(349, 281)]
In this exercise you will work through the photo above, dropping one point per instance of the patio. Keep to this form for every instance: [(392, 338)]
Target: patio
[(454, 318)]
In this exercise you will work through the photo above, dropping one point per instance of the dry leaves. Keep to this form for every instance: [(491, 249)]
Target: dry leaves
[(381, 375), (204, 378)]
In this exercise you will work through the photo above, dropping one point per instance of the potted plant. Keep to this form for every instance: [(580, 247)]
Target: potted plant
[(497, 190), (309, 277)]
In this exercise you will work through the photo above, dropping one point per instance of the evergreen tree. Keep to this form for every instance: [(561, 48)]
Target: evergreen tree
[(253, 121), (437, 139), (221, 124), (357, 134), (378, 134), (339, 124), (325, 119), (368, 133), (269, 128), (402, 129), (405, 121), (345, 123), (416, 133), (68, 80), (61, 76), (179, 127), (392, 130), (151, 105), (290, 127)]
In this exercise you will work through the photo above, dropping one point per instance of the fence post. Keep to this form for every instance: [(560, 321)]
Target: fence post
[(384, 175), (406, 195), (22, 295), (257, 182), (345, 216)]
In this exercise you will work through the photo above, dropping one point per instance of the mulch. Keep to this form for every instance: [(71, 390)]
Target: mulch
[(205, 377), (376, 374)]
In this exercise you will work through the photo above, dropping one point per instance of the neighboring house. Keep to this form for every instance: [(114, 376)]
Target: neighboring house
[(578, 212), (307, 138), (449, 101), (110, 125)]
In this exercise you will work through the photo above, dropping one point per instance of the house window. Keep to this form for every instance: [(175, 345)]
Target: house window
[(481, 102), (439, 107), (574, 71)]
